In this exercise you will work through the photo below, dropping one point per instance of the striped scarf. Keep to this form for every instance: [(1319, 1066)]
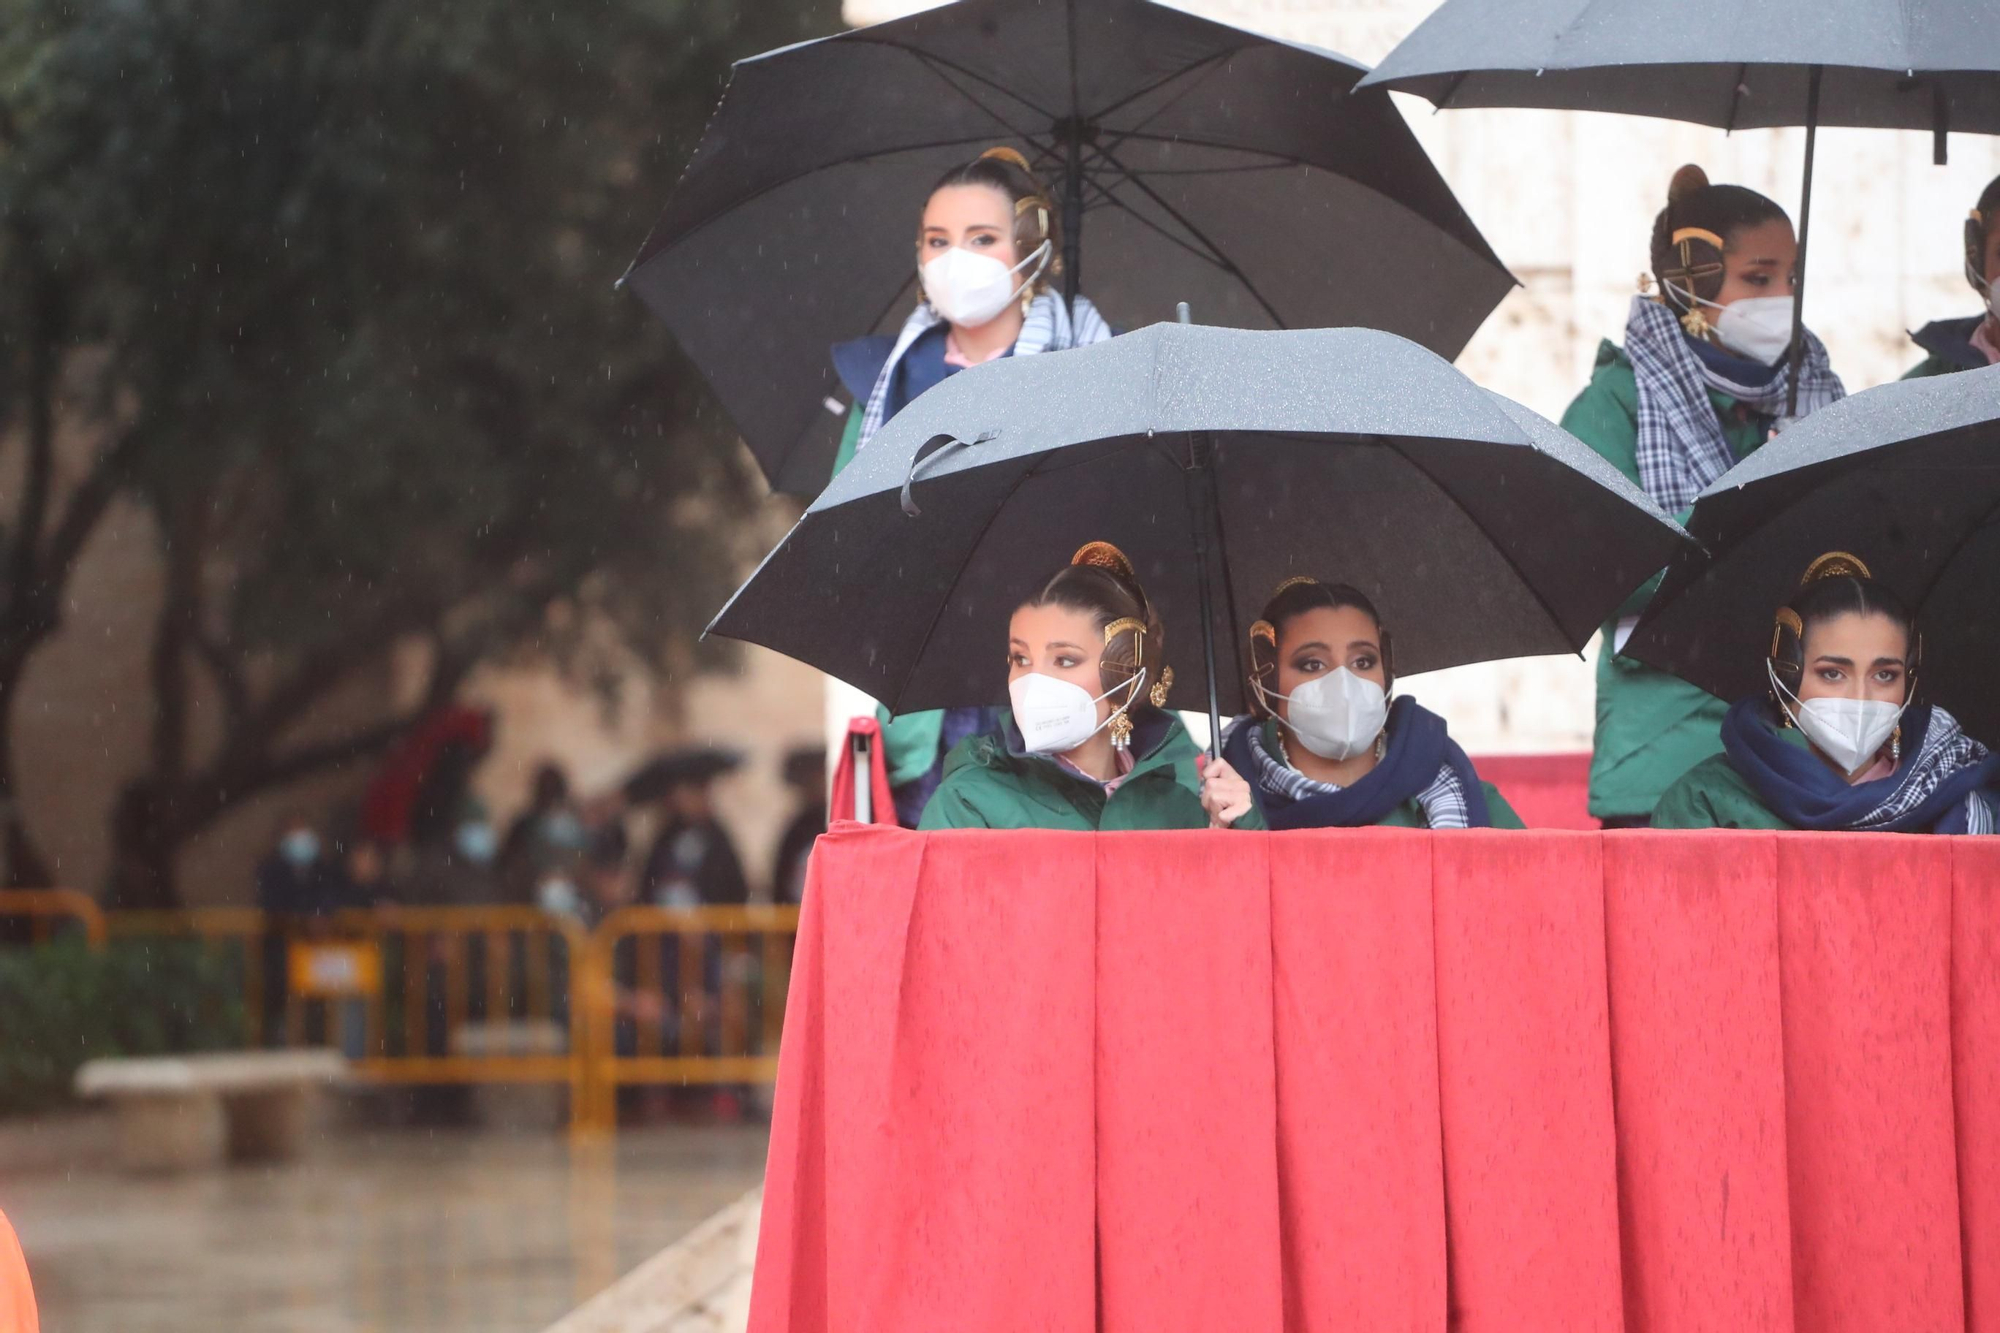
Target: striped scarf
[(1051, 326), (1443, 802), (1681, 448)]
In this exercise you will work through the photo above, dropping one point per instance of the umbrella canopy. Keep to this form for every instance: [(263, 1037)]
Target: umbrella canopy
[(662, 773), (1733, 64), (1907, 477), (1190, 161), (1478, 528)]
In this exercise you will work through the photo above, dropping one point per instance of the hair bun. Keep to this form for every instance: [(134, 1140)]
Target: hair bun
[(1103, 555), (1686, 181)]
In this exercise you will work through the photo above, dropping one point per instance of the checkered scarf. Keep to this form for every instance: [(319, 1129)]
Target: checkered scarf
[(1443, 802), (1946, 750), (1681, 445), (1051, 326)]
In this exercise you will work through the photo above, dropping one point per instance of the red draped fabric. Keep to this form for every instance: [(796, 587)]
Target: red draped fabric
[(1385, 1079)]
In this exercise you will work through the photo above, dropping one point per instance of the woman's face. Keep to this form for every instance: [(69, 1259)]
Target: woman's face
[(1061, 642), (1760, 261), (1316, 642), (978, 218), (1855, 656)]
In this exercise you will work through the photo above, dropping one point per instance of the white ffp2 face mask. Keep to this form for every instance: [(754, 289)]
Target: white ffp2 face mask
[(968, 290), (1851, 732), (1337, 716), (1055, 716), (1760, 327)]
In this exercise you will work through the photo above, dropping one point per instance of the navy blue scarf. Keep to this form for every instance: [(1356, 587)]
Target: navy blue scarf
[(1928, 792), (1418, 747)]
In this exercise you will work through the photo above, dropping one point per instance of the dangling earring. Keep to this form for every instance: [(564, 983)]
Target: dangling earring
[(1896, 747), (1121, 731), (1158, 695), (1695, 322), (1027, 299)]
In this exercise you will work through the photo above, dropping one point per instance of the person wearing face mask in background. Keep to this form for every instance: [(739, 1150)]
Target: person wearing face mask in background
[(1971, 343), (1326, 748), (988, 259), (1088, 743), (298, 895), (1841, 743), (1699, 386)]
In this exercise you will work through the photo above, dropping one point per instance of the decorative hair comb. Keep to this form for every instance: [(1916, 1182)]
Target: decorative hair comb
[(1290, 583), (1835, 565), (1103, 555), (1006, 154)]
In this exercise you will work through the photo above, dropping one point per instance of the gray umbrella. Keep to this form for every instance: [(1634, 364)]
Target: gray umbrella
[(1190, 160), (1735, 64), (1478, 528), (1907, 477)]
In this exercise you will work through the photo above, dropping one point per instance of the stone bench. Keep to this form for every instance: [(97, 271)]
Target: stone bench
[(187, 1112)]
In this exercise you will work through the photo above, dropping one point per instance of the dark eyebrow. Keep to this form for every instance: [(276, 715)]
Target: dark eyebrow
[(1369, 644), (1831, 660), (1888, 661), (1058, 643), (1769, 262)]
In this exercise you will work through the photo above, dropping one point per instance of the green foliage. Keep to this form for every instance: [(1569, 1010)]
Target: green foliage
[(63, 1003), (333, 286)]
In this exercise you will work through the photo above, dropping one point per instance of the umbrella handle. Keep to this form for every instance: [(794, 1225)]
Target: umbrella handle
[(1798, 353), (920, 458)]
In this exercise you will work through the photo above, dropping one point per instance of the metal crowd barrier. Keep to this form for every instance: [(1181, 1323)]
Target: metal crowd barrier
[(685, 997), (470, 995)]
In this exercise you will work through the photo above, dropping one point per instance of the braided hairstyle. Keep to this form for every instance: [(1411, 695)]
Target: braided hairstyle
[(1293, 598), (1100, 583), (1695, 228)]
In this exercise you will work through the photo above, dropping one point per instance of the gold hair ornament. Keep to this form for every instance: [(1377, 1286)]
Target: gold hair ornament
[(1103, 555), (1158, 695), (1835, 565)]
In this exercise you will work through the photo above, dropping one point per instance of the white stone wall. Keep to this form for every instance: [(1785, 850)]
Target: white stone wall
[(1567, 200)]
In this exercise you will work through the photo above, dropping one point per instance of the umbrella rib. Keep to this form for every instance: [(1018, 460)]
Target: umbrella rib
[(1164, 234), (1735, 99), (936, 62), (1075, 92), (992, 517), (1495, 546), (1205, 68), (939, 67), (1223, 262)]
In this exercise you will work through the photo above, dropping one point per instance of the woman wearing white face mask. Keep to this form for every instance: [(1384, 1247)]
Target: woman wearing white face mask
[(1840, 743), (1698, 387), (1326, 747), (1088, 743), (988, 251), (1973, 342)]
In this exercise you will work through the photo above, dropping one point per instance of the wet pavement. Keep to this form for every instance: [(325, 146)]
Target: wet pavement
[(409, 1231)]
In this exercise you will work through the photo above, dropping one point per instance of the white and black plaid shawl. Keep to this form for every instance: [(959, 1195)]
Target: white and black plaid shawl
[(1443, 802), (1681, 445), (1049, 327), (1946, 750)]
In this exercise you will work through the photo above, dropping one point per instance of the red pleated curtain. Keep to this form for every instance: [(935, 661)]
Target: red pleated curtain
[(1383, 1079)]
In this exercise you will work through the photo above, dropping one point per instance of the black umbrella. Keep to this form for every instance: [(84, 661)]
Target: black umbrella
[(1480, 529), (662, 773), (1734, 64), (1190, 160), (1907, 477)]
